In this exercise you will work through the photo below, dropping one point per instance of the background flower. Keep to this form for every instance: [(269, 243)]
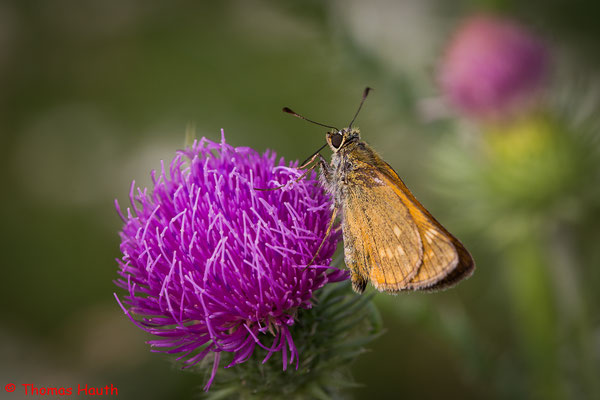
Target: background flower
[(493, 67), (212, 265), (527, 183)]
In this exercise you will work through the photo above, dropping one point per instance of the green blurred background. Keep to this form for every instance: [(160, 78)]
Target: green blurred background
[(93, 94)]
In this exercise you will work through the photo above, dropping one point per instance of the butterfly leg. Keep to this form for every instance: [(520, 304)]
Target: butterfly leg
[(331, 221), (310, 161), (301, 177)]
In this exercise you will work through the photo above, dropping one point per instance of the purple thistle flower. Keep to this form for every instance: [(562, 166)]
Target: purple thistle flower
[(212, 265), (493, 67)]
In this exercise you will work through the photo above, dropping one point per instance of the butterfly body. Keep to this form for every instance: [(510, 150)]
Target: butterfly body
[(390, 239)]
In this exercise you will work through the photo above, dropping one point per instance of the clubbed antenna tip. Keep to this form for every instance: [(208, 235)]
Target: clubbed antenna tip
[(295, 114), (364, 97)]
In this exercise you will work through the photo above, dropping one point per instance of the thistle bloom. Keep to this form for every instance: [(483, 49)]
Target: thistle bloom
[(492, 67), (213, 266)]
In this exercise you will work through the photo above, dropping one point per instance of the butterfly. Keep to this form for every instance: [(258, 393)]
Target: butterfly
[(390, 239)]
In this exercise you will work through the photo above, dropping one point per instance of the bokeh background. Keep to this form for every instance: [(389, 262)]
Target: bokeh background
[(93, 94)]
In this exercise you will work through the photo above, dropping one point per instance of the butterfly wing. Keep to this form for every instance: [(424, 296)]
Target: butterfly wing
[(392, 240)]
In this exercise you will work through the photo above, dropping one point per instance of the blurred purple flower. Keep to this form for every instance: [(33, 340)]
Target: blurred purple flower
[(212, 265), (493, 67)]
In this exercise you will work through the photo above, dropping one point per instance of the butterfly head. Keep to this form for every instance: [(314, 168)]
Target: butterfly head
[(337, 139)]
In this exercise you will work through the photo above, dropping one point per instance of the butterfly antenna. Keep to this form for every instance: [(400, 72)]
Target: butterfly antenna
[(364, 97), (289, 111)]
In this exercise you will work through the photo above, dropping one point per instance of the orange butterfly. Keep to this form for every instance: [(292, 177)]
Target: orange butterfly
[(390, 239)]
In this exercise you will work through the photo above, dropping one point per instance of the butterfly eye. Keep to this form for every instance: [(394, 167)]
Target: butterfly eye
[(336, 140)]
